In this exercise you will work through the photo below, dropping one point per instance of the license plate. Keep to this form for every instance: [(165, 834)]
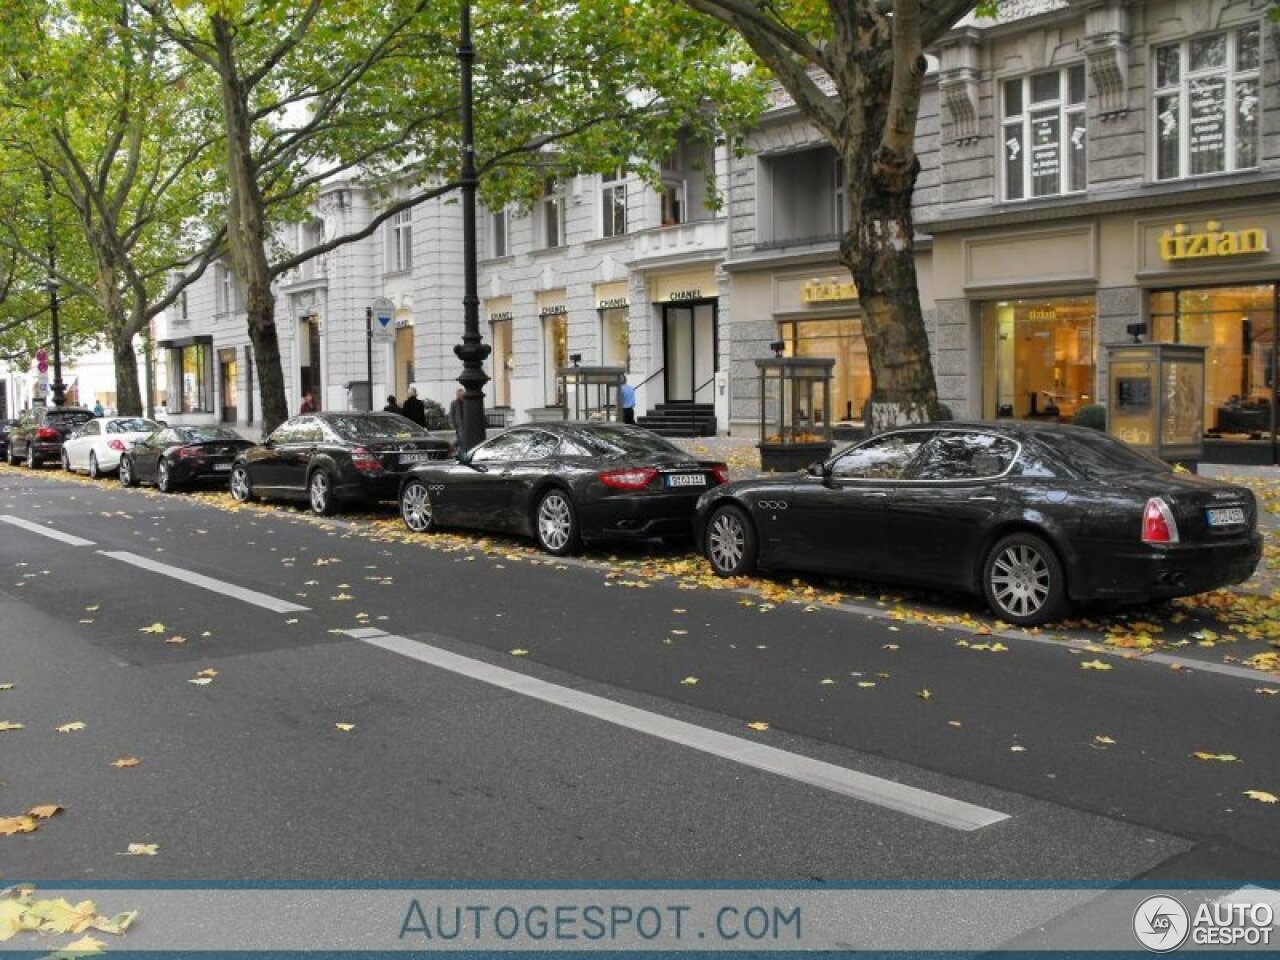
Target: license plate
[(686, 480), (222, 467), (414, 457), (1226, 516)]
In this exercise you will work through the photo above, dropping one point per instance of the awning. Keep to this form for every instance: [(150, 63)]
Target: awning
[(202, 339)]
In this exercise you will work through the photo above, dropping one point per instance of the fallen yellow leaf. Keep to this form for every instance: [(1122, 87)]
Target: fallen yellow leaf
[(864, 684), (1266, 691), (85, 945), (345, 727), (1262, 796), (954, 723), (758, 725), (1017, 748), (23, 824), (140, 850), (124, 762), (176, 640), (689, 681), (45, 811), (924, 694), (1095, 665), (1220, 757), (1103, 740), (519, 652), (72, 727), (92, 609), (201, 681), (7, 725), (154, 628), (207, 672), (6, 686)]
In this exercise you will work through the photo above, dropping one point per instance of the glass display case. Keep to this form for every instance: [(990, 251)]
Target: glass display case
[(1157, 398), (795, 411), (591, 393)]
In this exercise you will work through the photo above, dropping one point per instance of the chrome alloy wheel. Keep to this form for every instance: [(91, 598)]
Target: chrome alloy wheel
[(320, 492), (1020, 580), (555, 521), (240, 487), (126, 472), (726, 541), (415, 507)]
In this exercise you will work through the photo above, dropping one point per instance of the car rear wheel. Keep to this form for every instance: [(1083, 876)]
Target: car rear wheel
[(32, 460), (127, 479), (94, 472), (731, 542), (556, 524), (164, 478), (241, 485), (415, 507), (11, 455), (66, 460), (320, 493), (1024, 581)]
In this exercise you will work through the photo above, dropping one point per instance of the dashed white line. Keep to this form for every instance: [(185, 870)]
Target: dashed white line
[(52, 534), (208, 583), (933, 807)]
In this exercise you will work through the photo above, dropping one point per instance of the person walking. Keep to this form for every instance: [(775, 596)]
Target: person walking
[(97, 408), (392, 406), (456, 415), (413, 408), (309, 404), (628, 402)]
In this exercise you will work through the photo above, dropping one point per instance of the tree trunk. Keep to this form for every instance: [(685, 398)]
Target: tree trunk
[(128, 394), (246, 232)]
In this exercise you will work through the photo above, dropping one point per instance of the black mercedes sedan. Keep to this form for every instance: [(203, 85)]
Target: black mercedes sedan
[(1032, 516), (328, 458), (173, 458), (563, 483)]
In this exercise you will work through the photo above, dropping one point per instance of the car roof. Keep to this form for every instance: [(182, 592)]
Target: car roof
[(1011, 428)]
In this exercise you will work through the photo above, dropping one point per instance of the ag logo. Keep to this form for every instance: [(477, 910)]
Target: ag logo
[(1161, 924)]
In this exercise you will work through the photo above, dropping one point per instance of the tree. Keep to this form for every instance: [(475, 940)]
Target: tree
[(106, 114), (871, 52), (313, 90)]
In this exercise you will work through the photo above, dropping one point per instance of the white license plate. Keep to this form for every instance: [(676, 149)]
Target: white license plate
[(414, 457), (686, 480), (1226, 516), (222, 467)]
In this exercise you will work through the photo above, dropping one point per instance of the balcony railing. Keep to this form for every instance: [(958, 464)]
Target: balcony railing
[(681, 241)]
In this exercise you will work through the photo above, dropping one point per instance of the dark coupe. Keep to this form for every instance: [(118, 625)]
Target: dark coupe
[(328, 458), (1032, 516), (38, 436), (178, 457), (562, 483)]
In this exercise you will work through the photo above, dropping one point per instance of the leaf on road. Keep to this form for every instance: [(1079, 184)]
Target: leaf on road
[(140, 850), (115, 925), (864, 684), (345, 727), (325, 561), (342, 596), (176, 640), (924, 694), (1262, 796), (154, 628), (1017, 748), (292, 620), (72, 727), (519, 652), (954, 723), (690, 681), (9, 725), (201, 681), (889, 646), (85, 946), (1103, 740), (21, 824), (1220, 757), (1265, 691), (93, 609), (680, 633), (207, 672), (826, 682), (125, 762), (6, 686), (1095, 665), (758, 725), (45, 810), (679, 610)]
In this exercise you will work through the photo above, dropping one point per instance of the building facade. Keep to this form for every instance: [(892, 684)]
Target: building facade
[(1087, 165)]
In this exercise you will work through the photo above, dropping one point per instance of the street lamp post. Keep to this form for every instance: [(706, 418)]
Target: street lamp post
[(59, 388), (471, 351)]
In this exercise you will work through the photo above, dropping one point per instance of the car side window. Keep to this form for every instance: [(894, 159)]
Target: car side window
[(542, 445), (90, 429), (508, 446), (310, 433), (881, 458), (285, 433), (963, 455)]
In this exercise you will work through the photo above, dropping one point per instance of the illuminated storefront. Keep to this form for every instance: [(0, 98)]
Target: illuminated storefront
[(1039, 357), (840, 339)]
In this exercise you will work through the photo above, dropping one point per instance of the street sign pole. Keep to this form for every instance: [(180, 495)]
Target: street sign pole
[(368, 351)]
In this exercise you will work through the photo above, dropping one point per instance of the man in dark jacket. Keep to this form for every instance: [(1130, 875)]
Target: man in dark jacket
[(392, 406), (413, 408)]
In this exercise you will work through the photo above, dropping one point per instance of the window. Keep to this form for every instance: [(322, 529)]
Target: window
[(499, 235), (951, 455), (613, 204), (191, 363), (1044, 134), (182, 306), (1038, 357), (551, 211), (884, 458), (400, 242), (842, 339), (1206, 104), (542, 446), (225, 290), (90, 429), (672, 201), (803, 197), (503, 448), (840, 198)]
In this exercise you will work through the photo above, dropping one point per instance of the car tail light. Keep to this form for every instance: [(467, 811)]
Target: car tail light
[(1158, 525), (721, 472), (47, 433), (187, 453), (363, 460), (635, 478), (117, 445)]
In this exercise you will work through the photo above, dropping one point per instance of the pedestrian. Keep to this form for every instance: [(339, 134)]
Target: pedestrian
[(392, 406), (413, 408), (97, 408), (628, 402), (456, 416), (309, 404)]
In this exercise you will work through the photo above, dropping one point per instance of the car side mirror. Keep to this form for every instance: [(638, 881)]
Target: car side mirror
[(819, 470)]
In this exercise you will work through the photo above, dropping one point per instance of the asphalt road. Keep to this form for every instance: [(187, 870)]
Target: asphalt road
[(471, 771)]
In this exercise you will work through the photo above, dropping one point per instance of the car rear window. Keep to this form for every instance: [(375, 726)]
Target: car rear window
[(197, 434), (67, 418), (134, 425), (1098, 454), (368, 427), (621, 441)]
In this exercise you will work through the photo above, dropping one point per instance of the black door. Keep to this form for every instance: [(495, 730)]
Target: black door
[(689, 343), (479, 489), (293, 459)]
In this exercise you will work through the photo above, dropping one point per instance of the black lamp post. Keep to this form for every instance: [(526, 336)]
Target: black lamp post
[(59, 388), (471, 351)]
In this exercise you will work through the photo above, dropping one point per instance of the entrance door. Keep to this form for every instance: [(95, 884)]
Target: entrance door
[(689, 351), (228, 384)]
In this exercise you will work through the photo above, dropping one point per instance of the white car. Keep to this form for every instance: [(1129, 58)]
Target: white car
[(96, 446)]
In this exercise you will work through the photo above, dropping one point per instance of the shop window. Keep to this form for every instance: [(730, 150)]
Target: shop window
[(555, 335), (1044, 134), (400, 242), (613, 205), (1039, 358), (503, 361), (1237, 326), (843, 341), (1207, 104), (615, 337), (192, 364)]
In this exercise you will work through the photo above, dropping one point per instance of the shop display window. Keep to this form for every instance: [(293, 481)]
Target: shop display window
[(1039, 357), (841, 340)]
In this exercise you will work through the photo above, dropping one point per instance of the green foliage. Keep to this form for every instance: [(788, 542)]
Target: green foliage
[(1093, 415)]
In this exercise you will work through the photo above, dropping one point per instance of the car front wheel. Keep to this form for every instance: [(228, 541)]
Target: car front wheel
[(731, 542), (164, 478), (241, 486), (127, 479), (556, 524), (1023, 580), (415, 507), (320, 493), (32, 460), (94, 471)]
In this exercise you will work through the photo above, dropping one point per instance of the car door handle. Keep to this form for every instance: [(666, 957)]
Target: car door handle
[(505, 473), (875, 493), (983, 498)]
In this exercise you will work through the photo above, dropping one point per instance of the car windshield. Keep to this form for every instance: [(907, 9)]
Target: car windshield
[(197, 434), (622, 441), (1097, 454), (68, 418), (132, 425), (367, 426)]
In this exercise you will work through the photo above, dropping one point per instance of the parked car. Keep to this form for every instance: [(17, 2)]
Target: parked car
[(562, 483), (39, 434), (1032, 516), (96, 446), (5, 427), (328, 458), (176, 457)]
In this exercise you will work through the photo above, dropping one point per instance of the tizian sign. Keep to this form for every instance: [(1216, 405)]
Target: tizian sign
[(1214, 242)]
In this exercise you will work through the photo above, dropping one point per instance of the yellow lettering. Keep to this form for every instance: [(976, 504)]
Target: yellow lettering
[(1214, 242)]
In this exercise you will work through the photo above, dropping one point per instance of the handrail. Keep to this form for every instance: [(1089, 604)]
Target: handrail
[(650, 377), (709, 381)]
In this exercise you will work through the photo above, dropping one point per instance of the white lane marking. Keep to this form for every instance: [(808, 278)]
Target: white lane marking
[(47, 532), (209, 583), (827, 776)]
